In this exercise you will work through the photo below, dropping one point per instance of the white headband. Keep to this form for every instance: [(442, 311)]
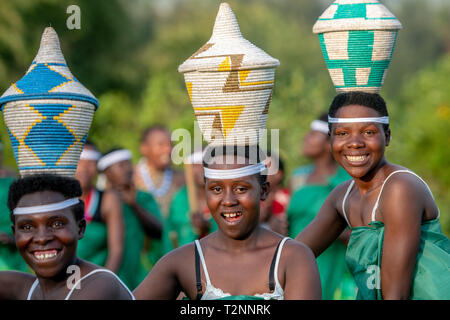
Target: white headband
[(319, 125), (112, 158), (46, 207), (384, 120), (88, 154), (234, 173)]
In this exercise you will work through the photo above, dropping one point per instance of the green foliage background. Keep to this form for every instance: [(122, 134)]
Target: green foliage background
[(127, 53)]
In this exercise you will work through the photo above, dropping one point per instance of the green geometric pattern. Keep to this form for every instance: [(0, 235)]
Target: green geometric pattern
[(359, 49)]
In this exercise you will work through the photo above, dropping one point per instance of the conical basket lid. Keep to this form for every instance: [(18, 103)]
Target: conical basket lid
[(227, 40), (48, 76), (345, 15)]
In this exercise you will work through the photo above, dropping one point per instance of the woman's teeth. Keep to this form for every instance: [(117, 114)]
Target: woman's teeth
[(232, 216), (44, 255), (356, 158)]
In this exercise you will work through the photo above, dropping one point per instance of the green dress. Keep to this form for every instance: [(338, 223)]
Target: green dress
[(337, 282), (94, 245), (137, 260), (431, 277), (178, 222), (10, 258)]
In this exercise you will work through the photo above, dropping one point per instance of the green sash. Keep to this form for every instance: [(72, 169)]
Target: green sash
[(94, 245), (337, 282), (10, 258), (431, 277), (178, 223), (135, 261)]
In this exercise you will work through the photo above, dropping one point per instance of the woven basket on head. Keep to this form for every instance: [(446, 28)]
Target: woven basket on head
[(48, 113), (357, 38), (229, 81)]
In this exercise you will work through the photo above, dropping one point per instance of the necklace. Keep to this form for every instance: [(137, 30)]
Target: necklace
[(148, 181)]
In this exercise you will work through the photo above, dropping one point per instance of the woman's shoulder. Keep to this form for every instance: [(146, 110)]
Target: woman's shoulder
[(101, 284), (402, 182), (18, 284)]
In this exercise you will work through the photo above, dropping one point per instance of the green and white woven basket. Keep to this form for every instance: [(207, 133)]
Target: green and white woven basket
[(229, 81), (357, 38), (48, 113)]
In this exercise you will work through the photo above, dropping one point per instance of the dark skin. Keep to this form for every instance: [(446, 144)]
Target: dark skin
[(55, 232), (110, 209), (405, 202), (120, 177), (241, 245)]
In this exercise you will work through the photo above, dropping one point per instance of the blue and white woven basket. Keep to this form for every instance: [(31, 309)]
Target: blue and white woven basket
[(357, 38), (48, 113)]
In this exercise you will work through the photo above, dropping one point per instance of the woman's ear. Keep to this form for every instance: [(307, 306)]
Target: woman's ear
[(387, 135), (81, 228), (265, 189)]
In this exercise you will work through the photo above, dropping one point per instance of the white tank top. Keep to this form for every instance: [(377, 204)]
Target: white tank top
[(36, 282), (375, 207), (213, 293)]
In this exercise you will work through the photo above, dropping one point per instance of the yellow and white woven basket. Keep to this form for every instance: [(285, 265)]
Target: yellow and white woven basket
[(229, 81)]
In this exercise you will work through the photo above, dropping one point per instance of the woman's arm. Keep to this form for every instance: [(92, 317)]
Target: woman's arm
[(162, 281), (327, 225), (15, 285), (401, 207), (111, 211), (302, 280)]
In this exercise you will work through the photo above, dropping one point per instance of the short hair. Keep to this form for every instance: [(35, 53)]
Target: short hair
[(370, 100), (151, 129), (68, 187), (246, 151), (89, 143)]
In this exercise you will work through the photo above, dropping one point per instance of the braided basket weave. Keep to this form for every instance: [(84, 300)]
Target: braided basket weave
[(357, 38), (48, 113), (229, 81)]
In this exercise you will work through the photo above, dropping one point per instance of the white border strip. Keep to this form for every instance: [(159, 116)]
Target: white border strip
[(46, 207), (88, 154), (112, 158), (384, 120), (234, 173), (319, 125)]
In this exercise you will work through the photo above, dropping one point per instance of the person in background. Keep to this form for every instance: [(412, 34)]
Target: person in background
[(10, 258), (184, 226), (273, 209), (153, 173), (102, 243), (141, 216), (313, 184)]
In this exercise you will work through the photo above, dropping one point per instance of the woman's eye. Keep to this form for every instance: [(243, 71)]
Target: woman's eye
[(57, 224), (26, 227), (340, 133), (240, 189)]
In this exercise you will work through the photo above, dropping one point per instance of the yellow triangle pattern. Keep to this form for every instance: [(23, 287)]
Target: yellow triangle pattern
[(189, 89), (230, 114), (225, 65)]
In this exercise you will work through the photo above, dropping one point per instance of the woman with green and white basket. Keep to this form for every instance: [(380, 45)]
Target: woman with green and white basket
[(396, 249)]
